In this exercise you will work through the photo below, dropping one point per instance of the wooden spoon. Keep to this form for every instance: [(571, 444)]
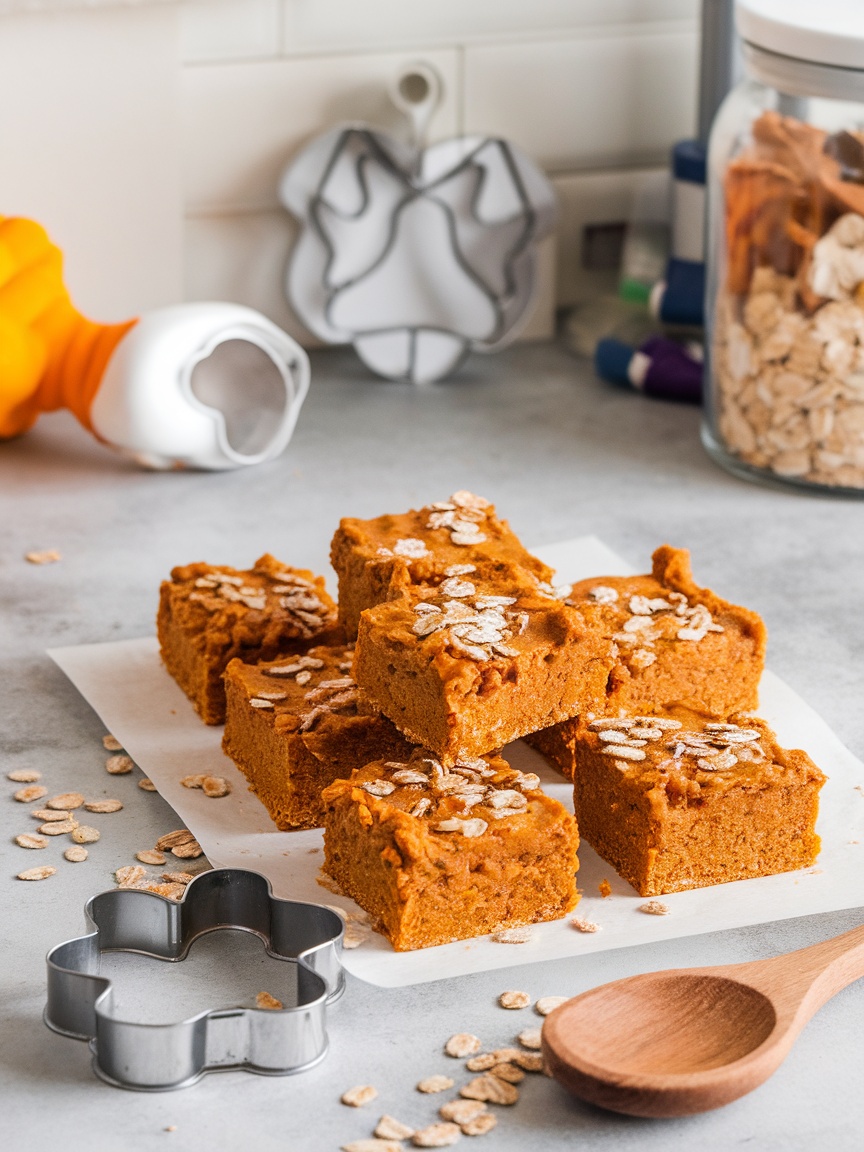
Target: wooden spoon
[(690, 1039)]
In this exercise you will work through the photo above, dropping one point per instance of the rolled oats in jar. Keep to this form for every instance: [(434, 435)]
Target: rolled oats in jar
[(785, 309)]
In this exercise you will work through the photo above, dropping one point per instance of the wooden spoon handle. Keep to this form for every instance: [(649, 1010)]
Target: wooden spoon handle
[(801, 982)]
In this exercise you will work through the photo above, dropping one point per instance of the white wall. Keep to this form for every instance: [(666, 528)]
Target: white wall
[(118, 124)]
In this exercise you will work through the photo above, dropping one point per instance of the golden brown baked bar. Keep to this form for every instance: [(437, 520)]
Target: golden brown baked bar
[(295, 725), (674, 805), (435, 856), (465, 667), (678, 646), (381, 558), (208, 616)]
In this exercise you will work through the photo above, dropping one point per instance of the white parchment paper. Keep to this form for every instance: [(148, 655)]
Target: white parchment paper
[(140, 704)]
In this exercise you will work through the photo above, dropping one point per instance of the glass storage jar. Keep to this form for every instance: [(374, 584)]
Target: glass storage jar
[(785, 299)]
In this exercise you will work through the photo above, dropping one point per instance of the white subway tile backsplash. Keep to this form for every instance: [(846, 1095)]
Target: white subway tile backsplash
[(311, 26), (242, 258), (241, 123), (584, 199), (588, 102), (230, 30), (89, 148)]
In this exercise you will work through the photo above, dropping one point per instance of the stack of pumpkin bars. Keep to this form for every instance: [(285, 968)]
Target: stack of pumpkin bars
[(382, 719)]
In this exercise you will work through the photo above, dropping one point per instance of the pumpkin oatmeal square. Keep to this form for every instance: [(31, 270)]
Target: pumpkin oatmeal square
[(209, 616), (676, 645), (435, 855), (295, 725), (467, 666), (676, 803), (378, 559)]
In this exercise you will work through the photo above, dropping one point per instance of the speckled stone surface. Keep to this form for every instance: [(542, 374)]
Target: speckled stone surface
[(561, 455)]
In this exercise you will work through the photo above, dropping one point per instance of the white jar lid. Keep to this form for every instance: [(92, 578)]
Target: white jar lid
[(821, 31)]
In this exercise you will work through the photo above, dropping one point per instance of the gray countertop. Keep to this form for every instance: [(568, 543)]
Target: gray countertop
[(561, 455)]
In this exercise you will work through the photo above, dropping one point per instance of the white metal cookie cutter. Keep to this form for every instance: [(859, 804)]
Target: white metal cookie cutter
[(414, 255), (155, 1057)]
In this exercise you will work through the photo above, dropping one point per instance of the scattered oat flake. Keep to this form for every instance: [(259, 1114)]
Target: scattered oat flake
[(440, 1135), (604, 888), (513, 935), (480, 1125), (28, 840), (357, 1097), (171, 1128), (58, 827), (76, 854), (102, 805), (28, 795), (462, 1044), (514, 1000), (215, 786), (178, 877), (84, 834), (172, 839), (265, 1000), (508, 1072), (389, 1128), (146, 785), (529, 1038), (655, 908), (48, 556), (119, 765), (189, 850), (150, 856), (547, 1004), (462, 1111), (111, 743), (529, 1061), (37, 873), (129, 875), (373, 1144), (489, 1088), (584, 925), (482, 1063), (66, 801), (24, 776), (49, 817), (193, 781), (435, 1084)]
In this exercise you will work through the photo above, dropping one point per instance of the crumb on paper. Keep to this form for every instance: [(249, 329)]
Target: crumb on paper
[(655, 908), (604, 888), (47, 556), (582, 925), (265, 1000), (520, 935)]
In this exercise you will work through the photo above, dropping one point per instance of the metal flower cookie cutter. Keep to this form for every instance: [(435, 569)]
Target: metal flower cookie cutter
[(154, 1057)]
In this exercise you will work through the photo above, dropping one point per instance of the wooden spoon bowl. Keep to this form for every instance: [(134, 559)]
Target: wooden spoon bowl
[(688, 1040)]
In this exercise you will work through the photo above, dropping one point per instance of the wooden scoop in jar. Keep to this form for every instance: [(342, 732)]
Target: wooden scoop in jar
[(688, 1040)]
